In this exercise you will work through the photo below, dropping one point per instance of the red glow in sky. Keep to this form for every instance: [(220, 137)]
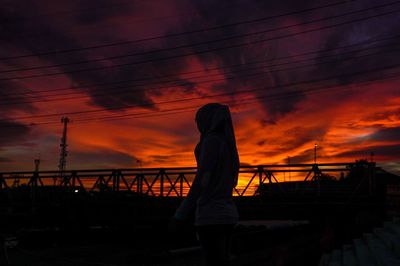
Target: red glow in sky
[(131, 74)]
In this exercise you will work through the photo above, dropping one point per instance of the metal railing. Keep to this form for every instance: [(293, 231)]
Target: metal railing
[(174, 181)]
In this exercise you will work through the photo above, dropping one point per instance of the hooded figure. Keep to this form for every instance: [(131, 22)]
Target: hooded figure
[(210, 195), (213, 118)]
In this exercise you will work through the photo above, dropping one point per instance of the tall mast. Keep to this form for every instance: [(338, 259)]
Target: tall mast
[(63, 153)]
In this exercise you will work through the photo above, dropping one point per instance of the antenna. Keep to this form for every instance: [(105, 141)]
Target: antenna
[(63, 153)]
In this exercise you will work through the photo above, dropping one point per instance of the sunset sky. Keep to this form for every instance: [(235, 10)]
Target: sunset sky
[(131, 74)]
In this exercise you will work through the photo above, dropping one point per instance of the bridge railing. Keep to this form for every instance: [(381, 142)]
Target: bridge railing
[(175, 181)]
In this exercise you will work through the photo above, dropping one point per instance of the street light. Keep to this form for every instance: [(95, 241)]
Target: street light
[(315, 153)]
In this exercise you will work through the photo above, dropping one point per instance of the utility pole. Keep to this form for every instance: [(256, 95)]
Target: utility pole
[(63, 146)]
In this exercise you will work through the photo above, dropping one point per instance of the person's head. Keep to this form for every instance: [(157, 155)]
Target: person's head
[(213, 117)]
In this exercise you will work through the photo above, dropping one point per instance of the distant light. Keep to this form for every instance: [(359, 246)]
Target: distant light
[(76, 191), (316, 145)]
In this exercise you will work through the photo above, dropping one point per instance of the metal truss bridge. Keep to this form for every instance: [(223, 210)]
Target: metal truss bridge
[(176, 182)]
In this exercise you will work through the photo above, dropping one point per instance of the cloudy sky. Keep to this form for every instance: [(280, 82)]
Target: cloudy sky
[(131, 75)]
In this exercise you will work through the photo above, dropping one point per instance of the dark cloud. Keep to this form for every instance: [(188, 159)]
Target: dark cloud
[(306, 156), (261, 142), (12, 133), (298, 136), (160, 158), (51, 32), (48, 35), (266, 122), (386, 134), (223, 12), (102, 11), (380, 152), (12, 100), (391, 115), (356, 61)]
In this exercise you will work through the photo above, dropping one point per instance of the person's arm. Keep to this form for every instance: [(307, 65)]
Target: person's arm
[(207, 162)]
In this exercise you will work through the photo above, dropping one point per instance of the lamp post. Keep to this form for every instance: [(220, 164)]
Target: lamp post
[(315, 153)]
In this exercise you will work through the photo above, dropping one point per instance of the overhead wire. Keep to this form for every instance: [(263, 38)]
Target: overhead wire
[(363, 18), (196, 53), (231, 103), (185, 45), (282, 94), (176, 34), (251, 75), (255, 99), (99, 68), (369, 41), (274, 87)]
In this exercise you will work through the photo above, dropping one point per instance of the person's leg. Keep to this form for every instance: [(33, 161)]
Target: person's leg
[(215, 242), (207, 242), (228, 241)]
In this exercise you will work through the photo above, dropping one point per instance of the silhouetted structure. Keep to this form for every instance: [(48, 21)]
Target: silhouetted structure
[(146, 197), (63, 153)]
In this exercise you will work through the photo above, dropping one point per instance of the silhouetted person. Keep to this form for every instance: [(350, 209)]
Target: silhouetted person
[(211, 192)]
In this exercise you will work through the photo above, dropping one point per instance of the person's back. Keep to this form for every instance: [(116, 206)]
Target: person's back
[(215, 204)]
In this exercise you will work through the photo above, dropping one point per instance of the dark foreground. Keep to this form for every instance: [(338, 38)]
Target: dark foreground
[(67, 228), (254, 243)]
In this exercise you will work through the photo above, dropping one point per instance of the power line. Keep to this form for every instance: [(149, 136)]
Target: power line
[(255, 99), (220, 68), (175, 48), (198, 52), (190, 109), (279, 86), (283, 95), (206, 81), (386, 38), (177, 34)]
